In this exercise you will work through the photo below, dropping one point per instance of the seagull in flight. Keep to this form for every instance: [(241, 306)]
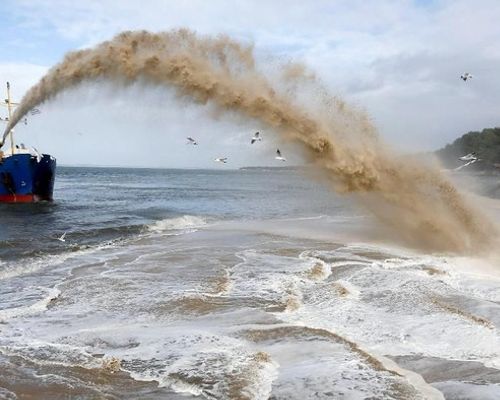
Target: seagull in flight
[(192, 141), (468, 157), (256, 137), (222, 160), (466, 76), (279, 156), (466, 164), (63, 237)]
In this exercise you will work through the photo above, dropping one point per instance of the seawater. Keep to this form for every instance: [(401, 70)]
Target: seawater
[(232, 284)]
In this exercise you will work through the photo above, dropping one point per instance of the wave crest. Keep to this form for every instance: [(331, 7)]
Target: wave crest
[(186, 222)]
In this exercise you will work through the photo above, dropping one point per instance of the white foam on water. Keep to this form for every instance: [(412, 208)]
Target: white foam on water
[(186, 357), (320, 269), (270, 278), (39, 306), (36, 264), (397, 303), (210, 365), (313, 365), (474, 278), (7, 395), (276, 276), (400, 309), (189, 223), (48, 353), (32, 265), (352, 290), (186, 388), (266, 372)]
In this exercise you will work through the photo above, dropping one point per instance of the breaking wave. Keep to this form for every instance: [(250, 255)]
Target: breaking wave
[(186, 222)]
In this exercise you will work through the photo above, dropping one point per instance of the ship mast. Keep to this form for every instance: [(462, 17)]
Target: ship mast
[(9, 107)]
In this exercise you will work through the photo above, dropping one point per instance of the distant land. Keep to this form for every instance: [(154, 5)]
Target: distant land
[(285, 167), (486, 145)]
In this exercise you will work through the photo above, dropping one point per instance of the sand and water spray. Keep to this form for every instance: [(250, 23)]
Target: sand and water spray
[(413, 199)]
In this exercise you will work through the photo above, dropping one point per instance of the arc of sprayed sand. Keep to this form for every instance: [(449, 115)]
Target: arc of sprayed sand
[(415, 199)]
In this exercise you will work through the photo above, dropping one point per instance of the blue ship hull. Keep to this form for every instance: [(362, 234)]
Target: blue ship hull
[(26, 178)]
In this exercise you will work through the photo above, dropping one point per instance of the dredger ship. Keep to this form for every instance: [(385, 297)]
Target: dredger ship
[(26, 176)]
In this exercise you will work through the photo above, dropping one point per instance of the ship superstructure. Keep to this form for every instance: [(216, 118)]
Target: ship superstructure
[(26, 175)]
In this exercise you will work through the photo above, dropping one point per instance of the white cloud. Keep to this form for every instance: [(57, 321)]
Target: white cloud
[(21, 75)]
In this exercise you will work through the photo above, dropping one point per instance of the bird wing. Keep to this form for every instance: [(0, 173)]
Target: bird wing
[(466, 164), (253, 141), (257, 134)]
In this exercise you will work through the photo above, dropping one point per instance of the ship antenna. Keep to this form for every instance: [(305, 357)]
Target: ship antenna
[(9, 107)]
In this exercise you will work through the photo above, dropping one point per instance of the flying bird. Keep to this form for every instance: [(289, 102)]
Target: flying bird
[(191, 141), (279, 156), (63, 237), (256, 137), (468, 157), (466, 76), (221, 160), (466, 164)]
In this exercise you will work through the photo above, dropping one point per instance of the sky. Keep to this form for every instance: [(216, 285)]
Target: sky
[(400, 61)]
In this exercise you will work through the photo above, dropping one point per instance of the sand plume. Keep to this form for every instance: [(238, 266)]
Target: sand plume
[(423, 207)]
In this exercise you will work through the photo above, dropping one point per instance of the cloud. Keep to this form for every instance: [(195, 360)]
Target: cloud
[(23, 74)]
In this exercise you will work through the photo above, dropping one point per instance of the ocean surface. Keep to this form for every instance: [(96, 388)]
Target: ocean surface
[(233, 284)]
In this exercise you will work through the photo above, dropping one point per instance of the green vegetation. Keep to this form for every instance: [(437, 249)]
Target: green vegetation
[(485, 144)]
